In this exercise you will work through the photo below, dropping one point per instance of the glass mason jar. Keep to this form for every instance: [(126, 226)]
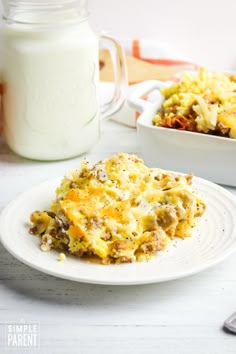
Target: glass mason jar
[(50, 77)]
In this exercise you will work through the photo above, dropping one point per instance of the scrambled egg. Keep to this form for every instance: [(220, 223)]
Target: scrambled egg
[(118, 210), (205, 102)]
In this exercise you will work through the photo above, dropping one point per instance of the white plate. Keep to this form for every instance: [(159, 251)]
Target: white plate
[(213, 240)]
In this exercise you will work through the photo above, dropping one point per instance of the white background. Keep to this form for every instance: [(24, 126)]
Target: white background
[(203, 30)]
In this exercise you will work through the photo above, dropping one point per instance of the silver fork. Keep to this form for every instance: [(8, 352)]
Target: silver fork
[(230, 323)]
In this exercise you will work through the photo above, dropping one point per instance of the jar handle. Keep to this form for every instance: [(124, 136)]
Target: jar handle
[(120, 76)]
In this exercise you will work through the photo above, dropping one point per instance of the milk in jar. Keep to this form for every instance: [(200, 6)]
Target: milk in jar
[(50, 76)]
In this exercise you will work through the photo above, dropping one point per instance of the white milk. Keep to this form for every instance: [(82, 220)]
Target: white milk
[(51, 101)]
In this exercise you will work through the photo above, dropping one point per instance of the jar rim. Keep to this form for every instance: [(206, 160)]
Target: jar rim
[(77, 20), (45, 12)]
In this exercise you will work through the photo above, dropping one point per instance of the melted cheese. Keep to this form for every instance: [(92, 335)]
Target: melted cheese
[(121, 211)]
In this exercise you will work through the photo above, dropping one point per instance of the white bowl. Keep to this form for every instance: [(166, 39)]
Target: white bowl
[(207, 156)]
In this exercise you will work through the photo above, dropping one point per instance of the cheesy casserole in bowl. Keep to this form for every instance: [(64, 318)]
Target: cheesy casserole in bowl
[(204, 102), (118, 210)]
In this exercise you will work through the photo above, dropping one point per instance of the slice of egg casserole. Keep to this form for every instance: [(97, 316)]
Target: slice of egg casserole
[(118, 210)]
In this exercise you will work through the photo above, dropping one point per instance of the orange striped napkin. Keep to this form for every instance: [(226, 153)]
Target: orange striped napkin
[(156, 53), (164, 64)]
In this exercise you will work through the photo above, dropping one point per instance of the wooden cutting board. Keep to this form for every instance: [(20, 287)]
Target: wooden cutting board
[(138, 70)]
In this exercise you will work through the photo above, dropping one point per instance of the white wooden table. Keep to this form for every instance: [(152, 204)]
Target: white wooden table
[(178, 317)]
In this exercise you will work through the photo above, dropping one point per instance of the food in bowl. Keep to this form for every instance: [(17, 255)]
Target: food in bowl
[(204, 102), (118, 210)]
